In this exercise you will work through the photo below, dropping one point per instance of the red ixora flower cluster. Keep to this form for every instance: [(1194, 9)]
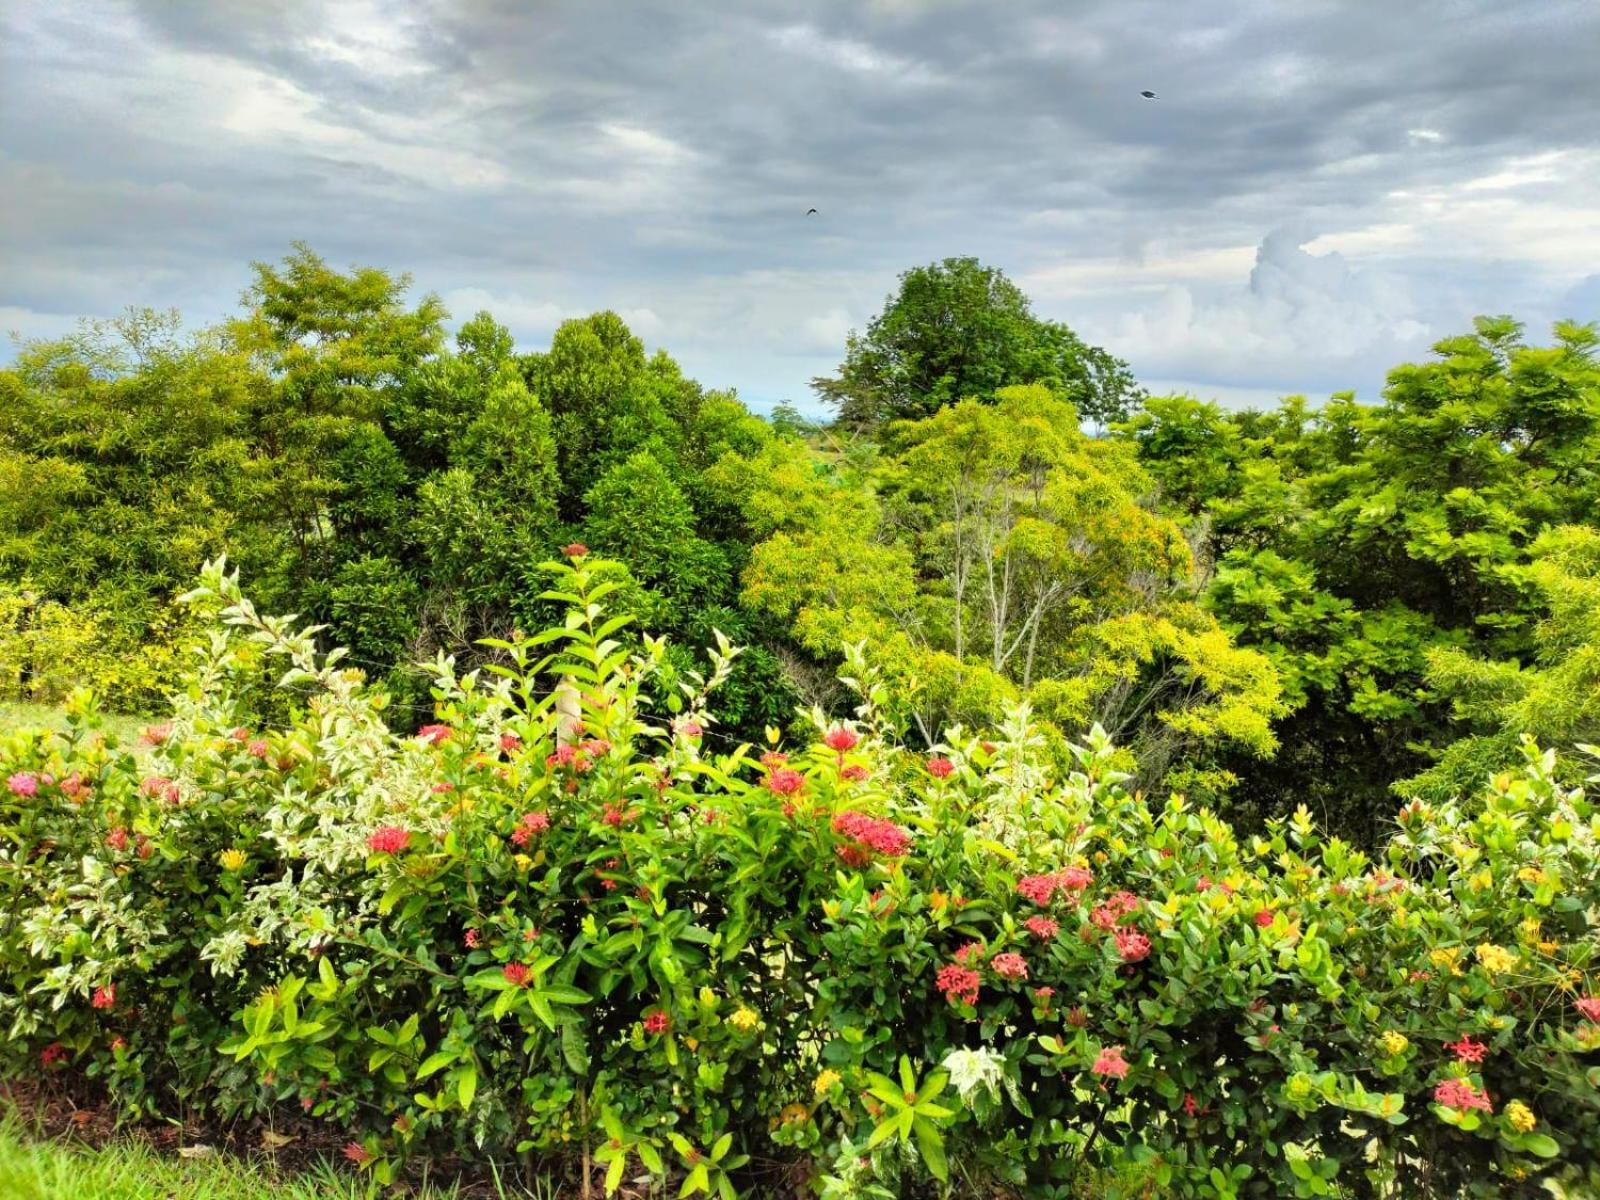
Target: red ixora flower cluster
[(510, 743), (1263, 918), (160, 787), (575, 550), (104, 996), (1009, 965), (388, 839), (869, 835), (1460, 1095), (1132, 945), (1043, 928), (52, 1054), (579, 757), (958, 983), (841, 740), (1110, 1064), (855, 773), (516, 974), (784, 781), (435, 734), (531, 823), (358, 1154), (1109, 915), (1588, 1008), (1467, 1050), (658, 1021), (1041, 889), (940, 767)]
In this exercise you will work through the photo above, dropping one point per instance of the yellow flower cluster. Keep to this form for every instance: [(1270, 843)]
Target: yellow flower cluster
[(1521, 1117), (1446, 958), (1394, 1043), (232, 859), (744, 1019), (1496, 959), (1533, 875), (826, 1081)]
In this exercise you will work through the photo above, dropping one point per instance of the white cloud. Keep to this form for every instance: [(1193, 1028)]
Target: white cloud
[(852, 55)]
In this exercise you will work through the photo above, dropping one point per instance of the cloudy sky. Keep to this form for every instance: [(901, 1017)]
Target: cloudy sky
[(1320, 190)]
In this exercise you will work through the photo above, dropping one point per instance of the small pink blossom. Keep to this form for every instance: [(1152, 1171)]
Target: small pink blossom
[(515, 973), (258, 748), (940, 767), (510, 743), (435, 734), (658, 1021), (1588, 1008), (24, 784)]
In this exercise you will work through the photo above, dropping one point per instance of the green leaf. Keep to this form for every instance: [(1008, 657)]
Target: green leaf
[(931, 1146)]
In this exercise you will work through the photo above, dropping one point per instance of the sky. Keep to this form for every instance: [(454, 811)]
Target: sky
[(1320, 190)]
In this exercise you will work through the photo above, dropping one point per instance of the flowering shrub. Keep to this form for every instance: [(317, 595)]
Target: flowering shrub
[(607, 943)]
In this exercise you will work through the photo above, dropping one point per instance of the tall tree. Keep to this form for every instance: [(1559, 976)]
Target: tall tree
[(957, 329)]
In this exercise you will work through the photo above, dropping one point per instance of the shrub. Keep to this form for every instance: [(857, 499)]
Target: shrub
[(614, 942)]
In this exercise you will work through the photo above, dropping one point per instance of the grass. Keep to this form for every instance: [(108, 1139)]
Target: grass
[(34, 1168), (23, 714)]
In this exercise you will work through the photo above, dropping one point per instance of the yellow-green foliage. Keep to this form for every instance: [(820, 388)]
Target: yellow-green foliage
[(48, 650)]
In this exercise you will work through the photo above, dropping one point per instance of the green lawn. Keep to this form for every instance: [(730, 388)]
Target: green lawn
[(20, 714), (42, 1169)]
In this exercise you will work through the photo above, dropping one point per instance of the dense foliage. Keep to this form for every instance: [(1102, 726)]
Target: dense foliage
[(1377, 551), (844, 961)]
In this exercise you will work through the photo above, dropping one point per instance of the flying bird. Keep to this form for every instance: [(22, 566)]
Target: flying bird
[(1148, 95), (811, 212)]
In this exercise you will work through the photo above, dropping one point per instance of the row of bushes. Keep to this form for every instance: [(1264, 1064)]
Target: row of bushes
[(611, 938)]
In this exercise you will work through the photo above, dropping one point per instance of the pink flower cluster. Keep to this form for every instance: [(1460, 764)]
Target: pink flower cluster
[(1009, 965), (1109, 914), (940, 767), (1132, 945), (435, 735), (1460, 1095), (1110, 1064), (515, 973), (532, 823), (580, 757), (24, 784), (1042, 889), (784, 781), (657, 1022), (1588, 1008), (1467, 1050), (958, 983), (388, 839), (1043, 928), (841, 740), (872, 834)]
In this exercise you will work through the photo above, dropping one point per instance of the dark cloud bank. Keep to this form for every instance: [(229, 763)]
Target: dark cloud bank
[(1320, 189)]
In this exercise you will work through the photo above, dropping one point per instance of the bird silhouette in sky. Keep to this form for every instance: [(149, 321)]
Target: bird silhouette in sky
[(811, 212), (1148, 95)]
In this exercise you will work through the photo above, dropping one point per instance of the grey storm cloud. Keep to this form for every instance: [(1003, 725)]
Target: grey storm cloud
[(1320, 190)]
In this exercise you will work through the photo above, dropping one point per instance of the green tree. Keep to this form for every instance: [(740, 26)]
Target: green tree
[(958, 329), (1358, 543)]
